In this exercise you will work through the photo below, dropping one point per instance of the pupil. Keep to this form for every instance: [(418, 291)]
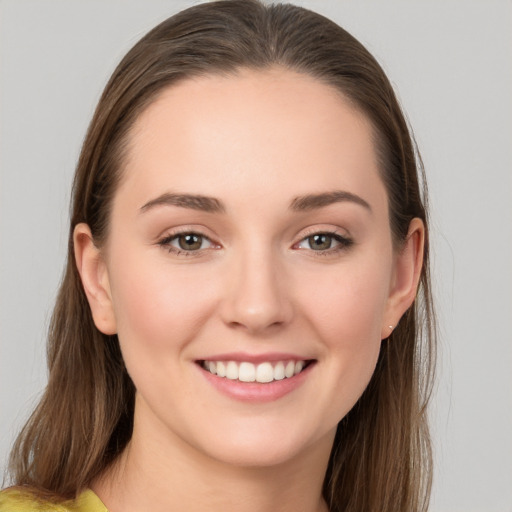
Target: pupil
[(320, 242), (190, 242)]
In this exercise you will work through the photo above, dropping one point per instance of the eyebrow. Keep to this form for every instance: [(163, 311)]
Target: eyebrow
[(213, 205), (315, 201), (194, 202)]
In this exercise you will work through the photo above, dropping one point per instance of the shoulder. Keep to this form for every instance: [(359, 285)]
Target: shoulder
[(19, 500)]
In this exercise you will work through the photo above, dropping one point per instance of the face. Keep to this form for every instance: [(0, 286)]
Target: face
[(249, 270)]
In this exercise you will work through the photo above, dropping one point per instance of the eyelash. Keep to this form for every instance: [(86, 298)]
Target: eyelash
[(343, 243), (166, 243)]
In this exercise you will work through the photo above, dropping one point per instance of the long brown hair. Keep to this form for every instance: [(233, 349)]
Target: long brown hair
[(381, 458)]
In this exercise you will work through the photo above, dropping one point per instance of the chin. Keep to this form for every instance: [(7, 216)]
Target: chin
[(265, 447), (255, 457)]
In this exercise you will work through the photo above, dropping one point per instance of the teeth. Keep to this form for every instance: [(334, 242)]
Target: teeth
[(232, 370), (290, 369), (264, 373), (279, 371), (221, 369), (249, 372)]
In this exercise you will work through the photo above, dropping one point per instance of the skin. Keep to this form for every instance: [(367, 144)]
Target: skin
[(255, 141)]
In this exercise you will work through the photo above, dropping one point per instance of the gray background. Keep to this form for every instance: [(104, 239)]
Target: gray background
[(451, 64)]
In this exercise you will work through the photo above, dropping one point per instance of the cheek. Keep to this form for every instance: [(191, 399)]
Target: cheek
[(348, 305), (345, 310), (158, 306)]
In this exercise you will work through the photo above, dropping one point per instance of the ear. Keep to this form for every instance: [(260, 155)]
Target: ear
[(94, 275), (406, 276)]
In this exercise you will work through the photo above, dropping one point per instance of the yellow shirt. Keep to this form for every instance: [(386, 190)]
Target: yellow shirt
[(15, 500)]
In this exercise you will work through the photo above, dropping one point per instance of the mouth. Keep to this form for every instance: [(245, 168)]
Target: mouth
[(264, 372)]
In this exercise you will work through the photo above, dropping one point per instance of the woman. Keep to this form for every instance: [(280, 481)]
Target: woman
[(245, 319)]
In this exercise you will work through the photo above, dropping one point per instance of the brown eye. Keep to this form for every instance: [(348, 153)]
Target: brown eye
[(190, 242), (186, 243), (325, 243), (320, 241)]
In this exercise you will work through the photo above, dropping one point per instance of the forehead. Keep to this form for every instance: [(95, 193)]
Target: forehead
[(263, 131)]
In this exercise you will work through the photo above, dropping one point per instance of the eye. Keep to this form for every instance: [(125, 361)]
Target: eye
[(186, 242), (323, 242)]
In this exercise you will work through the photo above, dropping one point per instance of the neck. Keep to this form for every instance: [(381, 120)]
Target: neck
[(174, 476)]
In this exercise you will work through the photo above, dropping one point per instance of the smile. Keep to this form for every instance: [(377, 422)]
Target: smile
[(263, 372)]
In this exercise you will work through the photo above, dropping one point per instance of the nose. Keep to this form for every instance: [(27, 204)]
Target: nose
[(257, 297)]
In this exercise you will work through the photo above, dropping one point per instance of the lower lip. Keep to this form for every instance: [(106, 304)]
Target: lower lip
[(256, 391)]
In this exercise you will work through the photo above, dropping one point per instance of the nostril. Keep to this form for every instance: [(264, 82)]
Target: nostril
[(256, 298), (253, 326)]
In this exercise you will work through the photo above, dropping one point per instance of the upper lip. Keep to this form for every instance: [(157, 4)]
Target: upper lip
[(256, 358)]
